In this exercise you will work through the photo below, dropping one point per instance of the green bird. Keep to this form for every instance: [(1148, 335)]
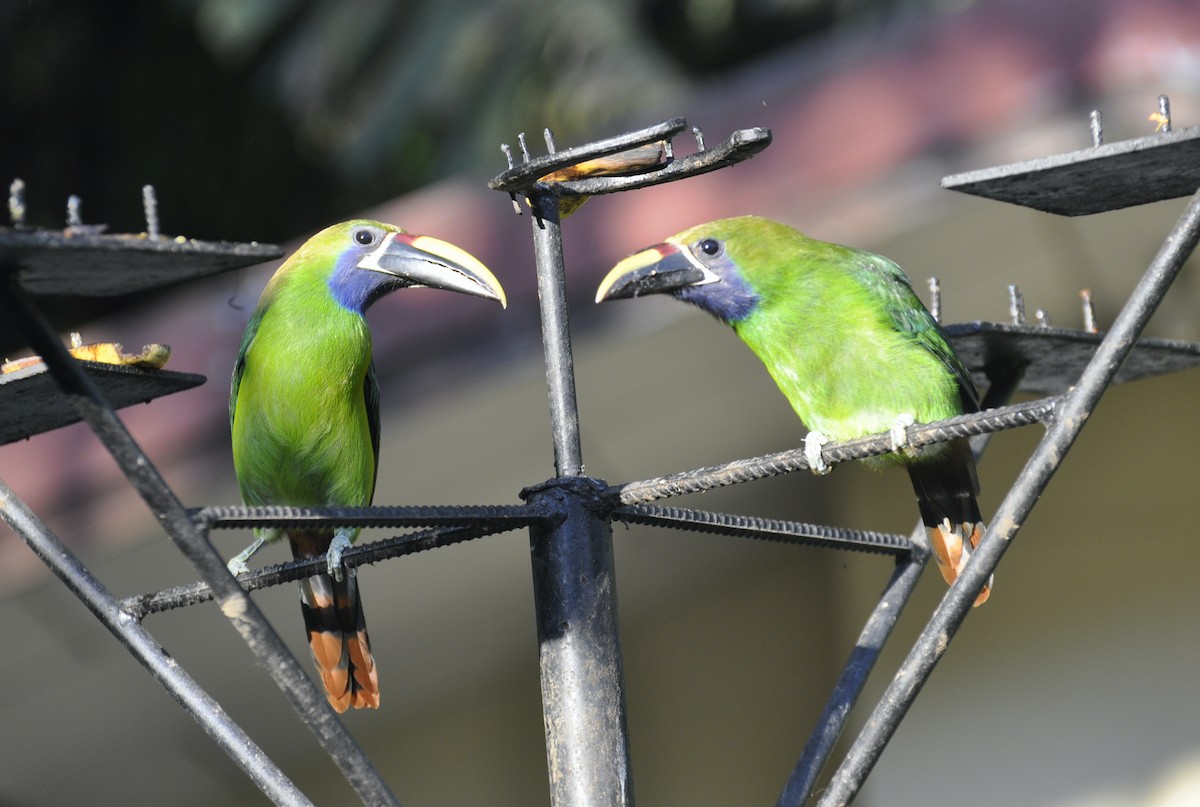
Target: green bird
[(304, 413), (848, 343)]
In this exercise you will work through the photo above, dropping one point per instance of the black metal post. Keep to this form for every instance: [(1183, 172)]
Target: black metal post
[(153, 656), (193, 542), (556, 335), (1069, 420), (583, 697)]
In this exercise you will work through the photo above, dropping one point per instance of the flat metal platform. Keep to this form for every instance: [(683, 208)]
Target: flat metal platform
[(1093, 180), (1051, 359), (31, 402), (87, 264)]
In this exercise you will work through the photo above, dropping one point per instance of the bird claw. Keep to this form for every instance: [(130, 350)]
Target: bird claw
[(237, 564), (333, 557), (899, 434), (813, 441)]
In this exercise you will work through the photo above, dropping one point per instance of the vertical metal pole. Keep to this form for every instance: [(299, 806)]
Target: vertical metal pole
[(153, 656), (574, 587), (556, 335), (583, 695), (193, 542), (1068, 422)]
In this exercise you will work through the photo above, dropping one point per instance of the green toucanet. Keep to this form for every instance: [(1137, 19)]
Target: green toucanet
[(848, 343), (304, 412)]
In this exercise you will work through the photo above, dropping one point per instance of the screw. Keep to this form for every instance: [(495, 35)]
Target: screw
[(16, 202), (1163, 116), (1016, 305), (935, 299), (1089, 310), (150, 206), (74, 219)]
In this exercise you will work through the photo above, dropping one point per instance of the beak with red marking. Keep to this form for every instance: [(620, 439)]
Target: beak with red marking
[(424, 261)]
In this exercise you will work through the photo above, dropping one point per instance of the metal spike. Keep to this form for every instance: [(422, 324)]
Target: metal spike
[(508, 156), (1016, 305), (524, 147), (74, 218), (1089, 310), (549, 135), (1097, 123), (1164, 112), (16, 202), (150, 206), (1043, 318), (935, 299), (699, 137)]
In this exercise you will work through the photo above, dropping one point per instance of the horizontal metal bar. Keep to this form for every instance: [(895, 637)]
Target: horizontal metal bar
[(499, 517), (153, 656), (767, 529), (141, 605), (715, 476)]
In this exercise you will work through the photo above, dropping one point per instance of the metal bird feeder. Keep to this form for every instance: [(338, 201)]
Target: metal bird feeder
[(569, 517)]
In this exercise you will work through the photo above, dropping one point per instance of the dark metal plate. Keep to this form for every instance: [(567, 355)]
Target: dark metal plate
[(1108, 177), (94, 265), (1052, 359), (31, 401)]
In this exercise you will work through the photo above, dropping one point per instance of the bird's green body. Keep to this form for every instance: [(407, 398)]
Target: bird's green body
[(842, 333), (304, 412), (846, 339), (308, 430)]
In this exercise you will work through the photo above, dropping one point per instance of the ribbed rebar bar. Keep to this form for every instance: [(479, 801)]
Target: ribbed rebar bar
[(745, 470), (498, 516), (142, 605), (767, 529)]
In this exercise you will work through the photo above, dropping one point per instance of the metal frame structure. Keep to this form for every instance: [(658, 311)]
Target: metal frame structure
[(570, 517)]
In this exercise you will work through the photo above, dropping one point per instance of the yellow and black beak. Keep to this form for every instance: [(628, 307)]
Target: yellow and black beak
[(658, 269), (421, 260)]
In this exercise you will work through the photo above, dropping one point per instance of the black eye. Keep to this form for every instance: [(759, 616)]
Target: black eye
[(710, 246), (364, 237)]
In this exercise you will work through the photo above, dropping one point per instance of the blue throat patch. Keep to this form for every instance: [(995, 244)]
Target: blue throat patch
[(356, 289), (731, 300)]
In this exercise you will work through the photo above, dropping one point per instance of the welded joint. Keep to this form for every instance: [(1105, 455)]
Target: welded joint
[(553, 495)]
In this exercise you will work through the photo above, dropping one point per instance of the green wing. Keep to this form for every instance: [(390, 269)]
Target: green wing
[(908, 314), (239, 365)]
